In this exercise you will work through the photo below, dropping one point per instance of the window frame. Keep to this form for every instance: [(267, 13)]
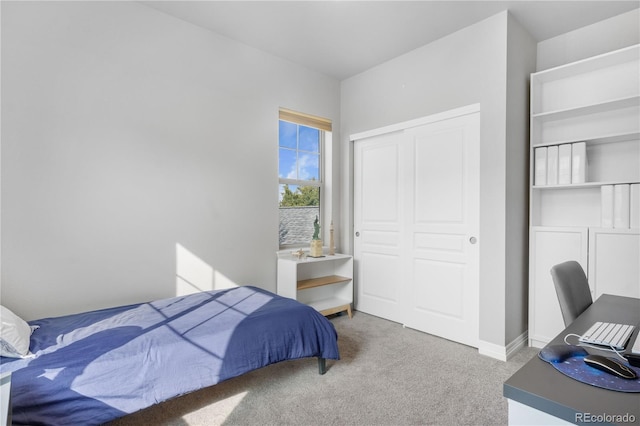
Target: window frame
[(307, 120)]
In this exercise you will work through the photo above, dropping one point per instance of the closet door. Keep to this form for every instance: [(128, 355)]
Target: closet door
[(441, 232), (378, 213), (416, 219)]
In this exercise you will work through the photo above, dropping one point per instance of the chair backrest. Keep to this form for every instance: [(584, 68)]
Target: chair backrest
[(572, 289)]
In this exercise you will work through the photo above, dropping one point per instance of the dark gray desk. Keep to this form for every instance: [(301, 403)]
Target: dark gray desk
[(538, 386)]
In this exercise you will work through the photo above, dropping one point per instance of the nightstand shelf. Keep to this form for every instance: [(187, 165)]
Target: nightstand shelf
[(320, 281), (332, 306), (325, 283)]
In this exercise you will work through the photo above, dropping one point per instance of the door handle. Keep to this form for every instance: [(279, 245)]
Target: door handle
[(473, 240), (357, 233)]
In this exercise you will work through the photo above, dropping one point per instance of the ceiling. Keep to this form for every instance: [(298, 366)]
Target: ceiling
[(344, 38)]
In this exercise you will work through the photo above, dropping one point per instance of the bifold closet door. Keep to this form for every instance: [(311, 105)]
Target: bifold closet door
[(416, 219)]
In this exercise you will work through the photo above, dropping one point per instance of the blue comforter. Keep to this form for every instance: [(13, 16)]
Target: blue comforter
[(93, 367)]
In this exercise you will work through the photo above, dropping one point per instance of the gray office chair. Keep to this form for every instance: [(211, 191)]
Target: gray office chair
[(572, 289)]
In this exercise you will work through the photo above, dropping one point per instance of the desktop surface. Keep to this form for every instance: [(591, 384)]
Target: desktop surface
[(540, 386)]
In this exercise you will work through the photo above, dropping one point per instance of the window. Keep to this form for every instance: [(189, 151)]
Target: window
[(300, 143)]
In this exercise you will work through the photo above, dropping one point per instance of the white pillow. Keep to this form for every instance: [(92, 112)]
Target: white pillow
[(14, 335)]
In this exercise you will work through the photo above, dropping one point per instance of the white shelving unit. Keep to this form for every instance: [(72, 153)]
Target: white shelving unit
[(325, 283), (595, 101)]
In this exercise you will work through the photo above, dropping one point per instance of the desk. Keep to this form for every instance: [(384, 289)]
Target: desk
[(539, 393)]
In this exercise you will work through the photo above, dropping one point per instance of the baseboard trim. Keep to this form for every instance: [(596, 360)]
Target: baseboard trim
[(492, 350), (518, 343), (503, 353)]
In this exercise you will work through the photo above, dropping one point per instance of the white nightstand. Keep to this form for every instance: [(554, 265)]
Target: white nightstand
[(325, 283)]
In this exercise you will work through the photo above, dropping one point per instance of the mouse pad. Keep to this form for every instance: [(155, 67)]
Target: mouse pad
[(575, 368)]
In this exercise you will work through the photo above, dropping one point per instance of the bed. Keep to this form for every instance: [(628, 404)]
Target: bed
[(94, 367)]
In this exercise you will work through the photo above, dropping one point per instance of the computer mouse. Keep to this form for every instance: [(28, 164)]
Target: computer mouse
[(559, 353), (611, 366)]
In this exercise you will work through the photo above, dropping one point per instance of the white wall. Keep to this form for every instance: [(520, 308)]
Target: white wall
[(521, 62), (469, 66), (132, 140), (604, 36)]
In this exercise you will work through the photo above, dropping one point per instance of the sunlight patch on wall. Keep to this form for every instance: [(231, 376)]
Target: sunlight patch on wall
[(194, 274)]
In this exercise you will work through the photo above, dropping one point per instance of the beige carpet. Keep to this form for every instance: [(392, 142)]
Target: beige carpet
[(388, 375)]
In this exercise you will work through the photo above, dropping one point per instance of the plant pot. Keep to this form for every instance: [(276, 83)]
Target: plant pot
[(316, 248)]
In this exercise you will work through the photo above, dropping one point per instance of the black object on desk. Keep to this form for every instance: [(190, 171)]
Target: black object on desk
[(539, 386), (611, 366)]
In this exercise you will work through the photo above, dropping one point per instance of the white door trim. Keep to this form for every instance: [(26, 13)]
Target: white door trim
[(457, 112)]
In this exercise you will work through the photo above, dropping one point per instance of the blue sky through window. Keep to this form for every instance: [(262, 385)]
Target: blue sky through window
[(299, 156)]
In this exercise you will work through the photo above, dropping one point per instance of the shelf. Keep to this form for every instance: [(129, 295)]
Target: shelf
[(583, 185), (331, 305), (623, 231), (322, 281), (595, 101), (287, 255), (595, 63), (609, 105), (605, 139)]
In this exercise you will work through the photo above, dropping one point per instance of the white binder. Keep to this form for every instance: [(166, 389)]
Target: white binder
[(564, 164), (634, 205), (621, 206), (552, 165), (540, 166), (578, 162)]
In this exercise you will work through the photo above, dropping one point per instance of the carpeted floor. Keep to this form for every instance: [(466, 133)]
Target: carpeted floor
[(388, 375)]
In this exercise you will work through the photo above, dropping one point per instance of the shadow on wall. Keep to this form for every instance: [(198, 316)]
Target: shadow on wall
[(194, 274)]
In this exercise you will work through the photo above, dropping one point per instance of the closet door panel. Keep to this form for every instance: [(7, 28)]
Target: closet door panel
[(439, 178), (442, 229), (378, 213), (446, 299)]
